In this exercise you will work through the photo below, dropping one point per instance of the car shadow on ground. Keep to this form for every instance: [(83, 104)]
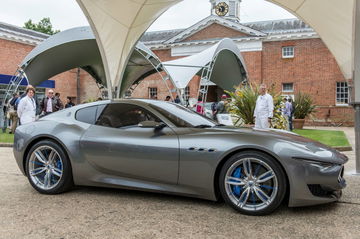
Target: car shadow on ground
[(179, 201)]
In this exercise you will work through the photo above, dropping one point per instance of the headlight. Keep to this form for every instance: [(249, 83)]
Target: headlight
[(318, 164)]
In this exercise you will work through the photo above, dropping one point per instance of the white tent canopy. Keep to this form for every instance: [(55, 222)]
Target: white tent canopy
[(117, 26), (183, 70)]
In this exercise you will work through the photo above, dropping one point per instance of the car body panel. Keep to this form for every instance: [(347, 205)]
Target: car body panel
[(179, 160), (133, 152)]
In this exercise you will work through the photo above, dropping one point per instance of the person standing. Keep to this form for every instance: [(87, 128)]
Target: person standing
[(221, 107), (69, 103), (200, 106), (12, 113), (26, 109), (177, 100), (289, 112), (50, 104), (264, 108), (59, 104)]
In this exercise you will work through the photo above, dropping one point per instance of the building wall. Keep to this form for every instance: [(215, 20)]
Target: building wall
[(11, 55), (215, 31), (313, 70)]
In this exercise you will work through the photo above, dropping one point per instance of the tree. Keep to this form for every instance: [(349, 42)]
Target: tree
[(44, 26)]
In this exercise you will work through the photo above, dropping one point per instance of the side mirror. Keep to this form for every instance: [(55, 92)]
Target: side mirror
[(151, 124)]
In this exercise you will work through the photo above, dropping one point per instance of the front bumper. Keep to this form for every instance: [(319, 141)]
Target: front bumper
[(315, 183)]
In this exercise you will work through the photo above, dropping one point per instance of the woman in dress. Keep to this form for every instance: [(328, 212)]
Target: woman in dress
[(26, 109)]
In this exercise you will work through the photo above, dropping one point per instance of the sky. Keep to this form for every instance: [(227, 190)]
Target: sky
[(65, 14)]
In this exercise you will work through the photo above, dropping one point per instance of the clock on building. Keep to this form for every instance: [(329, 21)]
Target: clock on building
[(221, 9)]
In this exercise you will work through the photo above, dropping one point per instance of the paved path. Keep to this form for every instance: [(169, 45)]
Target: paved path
[(106, 213)]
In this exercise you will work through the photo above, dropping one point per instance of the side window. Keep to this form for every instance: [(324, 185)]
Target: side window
[(87, 115), (119, 115)]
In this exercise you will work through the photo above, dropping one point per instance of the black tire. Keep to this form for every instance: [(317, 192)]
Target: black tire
[(63, 183), (265, 196)]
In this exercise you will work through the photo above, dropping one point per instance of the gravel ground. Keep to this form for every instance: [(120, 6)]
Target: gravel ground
[(88, 212)]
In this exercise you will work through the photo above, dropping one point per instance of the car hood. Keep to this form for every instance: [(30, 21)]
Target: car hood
[(298, 147)]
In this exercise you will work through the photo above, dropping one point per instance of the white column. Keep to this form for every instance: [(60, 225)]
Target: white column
[(356, 80)]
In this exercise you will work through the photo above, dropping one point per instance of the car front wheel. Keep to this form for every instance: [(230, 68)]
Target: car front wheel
[(253, 183), (48, 168)]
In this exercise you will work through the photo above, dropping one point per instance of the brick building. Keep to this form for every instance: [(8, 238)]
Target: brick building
[(285, 53)]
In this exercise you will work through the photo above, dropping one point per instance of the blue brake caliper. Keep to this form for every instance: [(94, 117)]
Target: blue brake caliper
[(58, 165), (236, 189)]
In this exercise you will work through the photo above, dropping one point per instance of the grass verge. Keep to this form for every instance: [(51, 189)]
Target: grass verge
[(6, 137), (328, 137)]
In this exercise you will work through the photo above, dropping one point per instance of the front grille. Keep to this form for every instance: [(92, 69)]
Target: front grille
[(318, 191), (341, 174)]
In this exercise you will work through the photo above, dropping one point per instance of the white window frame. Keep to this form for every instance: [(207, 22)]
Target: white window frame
[(344, 86), (152, 92), (187, 92), (283, 90), (288, 51)]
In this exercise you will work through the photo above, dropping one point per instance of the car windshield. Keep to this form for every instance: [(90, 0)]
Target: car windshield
[(181, 116)]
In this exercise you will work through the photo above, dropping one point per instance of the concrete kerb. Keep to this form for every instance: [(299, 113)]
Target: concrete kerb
[(10, 145)]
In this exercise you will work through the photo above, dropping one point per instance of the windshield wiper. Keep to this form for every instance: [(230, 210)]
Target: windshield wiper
[(203, 126), (220, 125)]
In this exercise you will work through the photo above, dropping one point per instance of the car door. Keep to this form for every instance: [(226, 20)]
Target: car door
[(117, 145)]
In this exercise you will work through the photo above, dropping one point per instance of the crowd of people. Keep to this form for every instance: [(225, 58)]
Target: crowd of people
[(25, 108)]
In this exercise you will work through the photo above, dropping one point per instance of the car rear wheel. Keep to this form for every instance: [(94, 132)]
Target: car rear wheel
[(253, 183), (48, 168)]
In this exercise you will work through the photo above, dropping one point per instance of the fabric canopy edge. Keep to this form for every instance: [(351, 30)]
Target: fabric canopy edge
[(101, 49)]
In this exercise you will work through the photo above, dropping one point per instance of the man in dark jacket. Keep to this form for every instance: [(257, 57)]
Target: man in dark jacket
[(50, 103)]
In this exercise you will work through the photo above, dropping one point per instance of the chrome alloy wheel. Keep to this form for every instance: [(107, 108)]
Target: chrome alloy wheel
[(251, 184), (45, 167)]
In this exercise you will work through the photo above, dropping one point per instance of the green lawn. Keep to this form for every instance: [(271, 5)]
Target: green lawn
[(329, 137), (6, 137)]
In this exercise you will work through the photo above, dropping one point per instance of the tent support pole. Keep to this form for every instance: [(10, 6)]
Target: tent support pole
[(356, 80)]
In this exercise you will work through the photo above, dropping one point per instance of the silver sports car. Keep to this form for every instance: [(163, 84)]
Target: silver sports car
[(164, 147)]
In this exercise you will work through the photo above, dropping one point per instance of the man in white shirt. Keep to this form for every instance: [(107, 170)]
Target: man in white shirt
[(264, 109), (27, 107)]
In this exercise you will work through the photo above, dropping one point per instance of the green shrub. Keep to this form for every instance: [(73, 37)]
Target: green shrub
[(303, 106)]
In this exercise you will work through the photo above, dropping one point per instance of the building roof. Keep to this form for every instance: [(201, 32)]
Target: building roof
[(22, 30), (15, 33), (159, 36), (280, 26), (267, 27)]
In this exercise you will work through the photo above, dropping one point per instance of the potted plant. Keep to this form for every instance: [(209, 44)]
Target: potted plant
[(303, 107)]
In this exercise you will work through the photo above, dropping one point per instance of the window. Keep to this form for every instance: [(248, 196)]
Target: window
[(152, 93), (287, 87), (86, 115), (120, 115), (181, 116), (288, 52), (342, 93), (187, 92)]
